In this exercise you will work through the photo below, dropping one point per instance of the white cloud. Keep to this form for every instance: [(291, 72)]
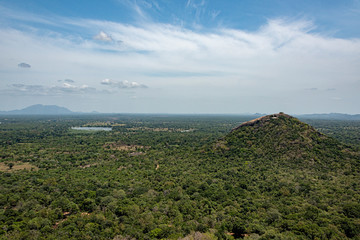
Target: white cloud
[(102, 36), (122, 84)]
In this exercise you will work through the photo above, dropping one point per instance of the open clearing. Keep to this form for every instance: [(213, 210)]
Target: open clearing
[(4, 167)]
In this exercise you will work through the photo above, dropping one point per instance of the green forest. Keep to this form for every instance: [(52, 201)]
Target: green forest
[(179, 177)]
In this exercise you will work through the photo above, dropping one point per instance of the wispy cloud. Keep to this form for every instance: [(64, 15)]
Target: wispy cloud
[(26, 16), (163, 48), (214, 14), (195, 3), (138, 8), (283, 50), (67, 80), (122, 84), (42, 90), (197, 8)]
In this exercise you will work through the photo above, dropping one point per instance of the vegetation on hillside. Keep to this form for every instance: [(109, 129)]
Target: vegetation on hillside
[(176, 177)]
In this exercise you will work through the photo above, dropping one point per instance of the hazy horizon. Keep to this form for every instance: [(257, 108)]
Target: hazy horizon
[(179, 113), (181, 57)]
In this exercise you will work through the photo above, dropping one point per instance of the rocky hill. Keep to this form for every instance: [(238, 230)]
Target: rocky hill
[(303, 183), (281, 138)]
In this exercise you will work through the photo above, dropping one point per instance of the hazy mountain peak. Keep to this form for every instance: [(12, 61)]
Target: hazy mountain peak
[(39, 109)]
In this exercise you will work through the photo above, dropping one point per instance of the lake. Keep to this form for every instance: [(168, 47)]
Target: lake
[(92, 128)]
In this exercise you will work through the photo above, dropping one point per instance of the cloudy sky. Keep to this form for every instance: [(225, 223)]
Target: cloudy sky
[(183, 56)]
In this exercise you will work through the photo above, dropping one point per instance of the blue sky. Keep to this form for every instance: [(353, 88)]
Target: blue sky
[(183, 56), (340, 18)]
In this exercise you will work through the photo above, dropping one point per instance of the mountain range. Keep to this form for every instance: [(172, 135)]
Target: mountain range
[(40, 109), (330, 116)]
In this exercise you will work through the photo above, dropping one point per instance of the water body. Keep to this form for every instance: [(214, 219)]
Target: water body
[(92, 128)]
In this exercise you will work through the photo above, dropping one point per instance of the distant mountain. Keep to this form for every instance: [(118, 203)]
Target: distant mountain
[(330, 116), (39, 109)]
